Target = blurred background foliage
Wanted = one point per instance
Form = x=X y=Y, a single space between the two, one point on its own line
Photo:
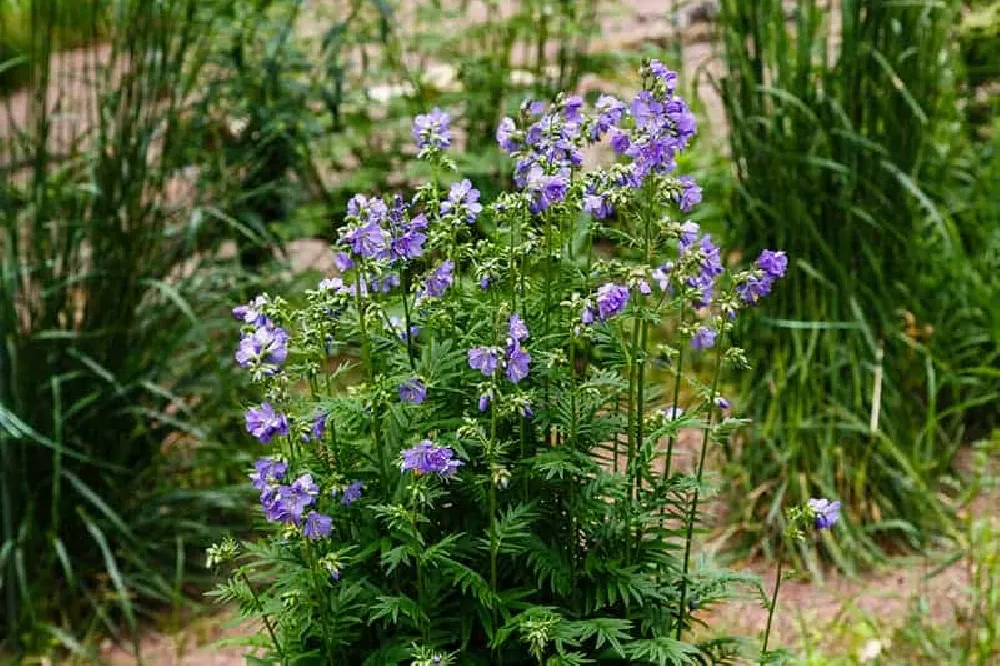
x=878 y=359
x=159 y=161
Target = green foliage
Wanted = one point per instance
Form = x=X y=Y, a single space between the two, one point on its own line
x=114 y=403
x=878 y=349
x=561 y=535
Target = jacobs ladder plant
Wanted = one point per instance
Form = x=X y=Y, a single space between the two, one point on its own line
x=469 y=460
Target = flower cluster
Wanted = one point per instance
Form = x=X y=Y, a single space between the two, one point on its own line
x=431 y=131
x=265 y=423
x=263 y=346
x=611 y=301
x=513 y=357
x=758 y=283
x=428 y=458
x=462 y=202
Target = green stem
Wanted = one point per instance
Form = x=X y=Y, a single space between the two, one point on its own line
x=574 y=431
x=630 y=469
x=259 y=607
x=406 y=320
x=424 y=629
x=494 y=542
x=689 y=537
x=774 y=601
x=673 y=413
x=366 y=355
x=640 y=356
x=672 y=438
x=548 y=306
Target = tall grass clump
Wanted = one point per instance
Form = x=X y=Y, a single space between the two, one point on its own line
x=836 y=117
x=72 y=27
x=465 y=457
x=110 y=392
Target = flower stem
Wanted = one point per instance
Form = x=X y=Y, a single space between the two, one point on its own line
x=640 y=355
x=774 y=600
x=692 y=514
x=494 y=542
x=267 y=620
x=366 y=356
x=631 y=468
x=406 y=320
x=424 y=629
x=673 y=414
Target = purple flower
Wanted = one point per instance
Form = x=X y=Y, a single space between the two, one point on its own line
x=572 y=106
x=587 y=316
x=431 y=130
x=611 y=300
x=526 y=411
x=438 y=281
x=408 y=245
x=774 y=264
x=620 y=141
x=317 y=526
x=305 y=485
x=708 y=261
x=506 y=136
x=610 y=112
x=690 y=195
x=704 y=338
x=398 y=328
x=413 y=391
x=343 y=262
x=267 y=471
x=386 y=284
x=516 y=328
x=689 y=234
x=825 y=512
x=721 y=403
x=483 y=359
x=484 y=402
x=661 y=275
x=331 y=284
x=368 y=240
x=664 y=75
x=352 y=493
x=264 y=423
x=252 y=312
x=672 y=412
x=546 y=190
x=285 y=504
x=317 y=430
x=517 y=363
x=319 y=426
x=463 y=198
x=484 y=282
x=428 y=458
x=266 y=345
x=367 y=209
x=418 y=223
x=597 y=205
